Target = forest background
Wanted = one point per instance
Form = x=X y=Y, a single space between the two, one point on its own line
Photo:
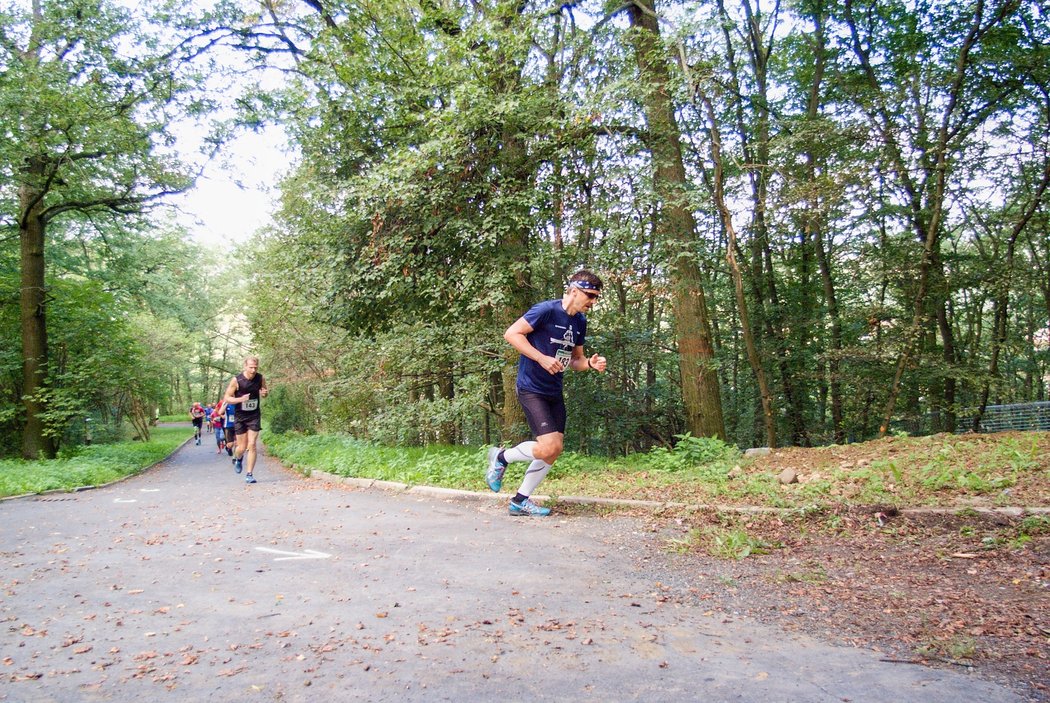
x=817 y=221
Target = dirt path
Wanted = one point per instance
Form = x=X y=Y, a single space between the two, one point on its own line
x=187 y=580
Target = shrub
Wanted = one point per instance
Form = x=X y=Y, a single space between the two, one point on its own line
x=287 y=410
x=690 y=454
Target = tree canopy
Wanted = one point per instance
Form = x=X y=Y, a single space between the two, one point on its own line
x=90 y=94
x=859 y=168
x=818 y=221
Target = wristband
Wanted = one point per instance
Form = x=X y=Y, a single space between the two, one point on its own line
x=589 y=365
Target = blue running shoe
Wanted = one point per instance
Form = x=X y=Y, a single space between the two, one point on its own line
x=238 y=465
x=494 y=475
x=248 y=478
x=528 y=508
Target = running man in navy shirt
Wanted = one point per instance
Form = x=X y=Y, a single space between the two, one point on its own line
x=550 y=338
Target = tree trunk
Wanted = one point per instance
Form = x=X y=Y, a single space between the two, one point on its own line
x=768 y=416
x=33 y=296
x=813 y=222
x=650 y=321
x=775 y=329
x=834 y=366
x=33 y=302
x=700 y=393
x=515 y=248
x=139 y=415
x=447 y=387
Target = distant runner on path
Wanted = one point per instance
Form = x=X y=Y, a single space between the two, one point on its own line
x=226 y=411
x=216 y=421
x=197 y=417
x=245 y=391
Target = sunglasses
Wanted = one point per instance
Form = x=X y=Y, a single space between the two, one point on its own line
x=589 y=294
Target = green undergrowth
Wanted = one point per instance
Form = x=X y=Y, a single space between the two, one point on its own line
x=92 y=465
x=450 y=467
x=902 y=471
x=693 y=460
x=941 y=470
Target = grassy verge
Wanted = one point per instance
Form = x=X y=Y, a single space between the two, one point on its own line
x=449 y=467
x=88 y=466
x=942 y=470
x=947 y=470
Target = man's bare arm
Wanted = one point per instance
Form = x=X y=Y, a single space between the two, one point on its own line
x=231 y=388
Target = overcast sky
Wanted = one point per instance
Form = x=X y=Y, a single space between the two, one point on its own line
x=237 y=193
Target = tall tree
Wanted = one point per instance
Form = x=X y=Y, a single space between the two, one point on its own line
x=700 y=392
x=88 y=97
x=925 y=111
x=718 y=178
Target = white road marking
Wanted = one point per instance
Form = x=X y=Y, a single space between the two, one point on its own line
x=125 y=500
x=288 y=556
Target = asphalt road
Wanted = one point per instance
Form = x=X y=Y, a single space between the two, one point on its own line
x=185 y=584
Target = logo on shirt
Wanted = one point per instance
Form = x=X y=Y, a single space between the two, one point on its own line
x=564 y=355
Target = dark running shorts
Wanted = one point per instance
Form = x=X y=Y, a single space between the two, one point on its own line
x=544 y=413
x=243 y=424
x=197 y=421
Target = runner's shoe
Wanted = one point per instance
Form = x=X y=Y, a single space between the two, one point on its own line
x=248 y=478
x=494 y=474
x=238 y=465
x=528 y=508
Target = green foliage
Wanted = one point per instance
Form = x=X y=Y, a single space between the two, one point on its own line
x=731 y=543
x=90 y=96
x=635 y=477
x=454 y=467
x=704 y=456
x=920 y=468
x=87 y=465
x=288 y=411
x=415 y=384
x=1034 y=525
x=704 y=450
x=99 y=365
x=991 y=472
x=88 y=119
x=457 y=162
x=954 y=647
x=816 y=575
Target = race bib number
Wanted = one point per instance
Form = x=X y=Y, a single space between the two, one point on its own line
x=564 y=356
x=250 y=404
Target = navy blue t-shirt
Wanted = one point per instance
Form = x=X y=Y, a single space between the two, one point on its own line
x=555 y=333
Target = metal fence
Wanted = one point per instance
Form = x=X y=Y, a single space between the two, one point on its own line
x=996 y=418
x=1019 y=416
